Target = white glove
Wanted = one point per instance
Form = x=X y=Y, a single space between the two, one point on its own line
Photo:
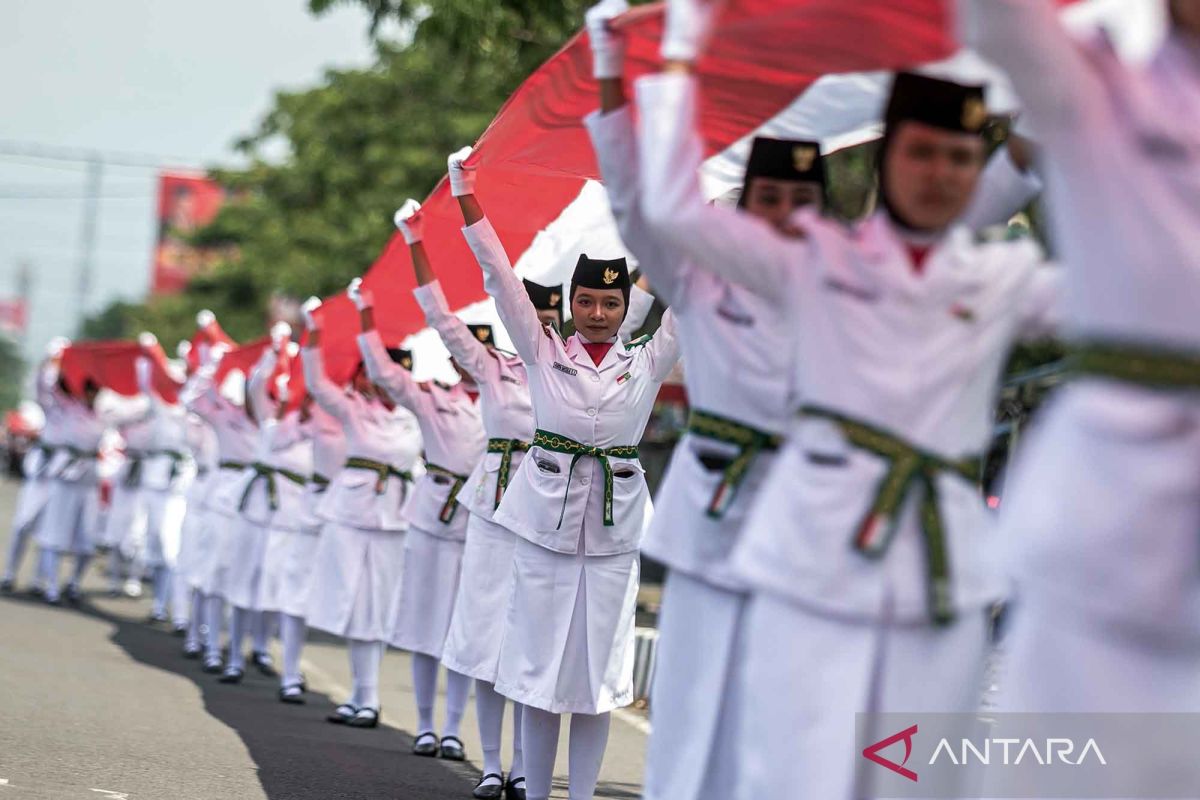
x=462 y=178
x=362 y=298
x=409 y=222
x=183 y=349
x=145 y=372
x=281 y=389
x=147 y=340
x=688 y=27
x=293 y=349
x=608 y=46
x=205 y=318
x=306 y=310
x=55 y=347
x=217 y=352
x=281 y=332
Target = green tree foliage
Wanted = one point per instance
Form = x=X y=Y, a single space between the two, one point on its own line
x=12 y=370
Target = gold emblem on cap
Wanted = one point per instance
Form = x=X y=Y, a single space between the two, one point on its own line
x=555 y=298
x=974 y=114
x=803 y=157
x=406 y=362
x=481 y=334
x=610 y=276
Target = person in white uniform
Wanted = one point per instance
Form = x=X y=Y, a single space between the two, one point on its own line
x=360 y=550
x=162 y=474
x=578 y=503
x=31 y=500
x=124 y=524
x=222 y=407
x=865 y=549
x=1100 y=516
x=203 y=447
x=740 y=349
x=452 y=430
x=271 y=495
x=69 y=526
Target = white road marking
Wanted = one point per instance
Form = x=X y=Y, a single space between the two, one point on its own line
x=3 y=781
x=635 y=721
x=113 y=795
x=322 y=677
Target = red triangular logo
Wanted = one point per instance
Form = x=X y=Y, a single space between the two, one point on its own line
x=872 y=752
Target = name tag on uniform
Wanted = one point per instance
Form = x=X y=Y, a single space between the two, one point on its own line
x=623 y=378
x=507 y=379
x=857 y=292
x=565 y=369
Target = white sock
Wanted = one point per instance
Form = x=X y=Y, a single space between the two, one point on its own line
x=260 y=627
x=458 y=689
x=589 y=738
x=50 y=559
x=517 y=769
x=239 y=620
x=81 y=565
x=181 y=599
x=214 y=619
x=162 y=588
x=364 y=666
x=195 y=618
x=291 y=631
x=489 y=708
x=425 y=675
x=16 y=550
x=116 y=569
x=539 y=733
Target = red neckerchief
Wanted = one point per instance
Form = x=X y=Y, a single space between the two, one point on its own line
x=597 y=350
x=918 y=254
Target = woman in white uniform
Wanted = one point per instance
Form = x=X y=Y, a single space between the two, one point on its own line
x=31 y=501
x=1100 y=516
x=124 y=533
x=272 y=495
x=69 y=526
x=741 y=346
x=237 y=441
x=866 y=547
x=578 y=503
x=452 y=431
x=360 y=550
x=203 y=446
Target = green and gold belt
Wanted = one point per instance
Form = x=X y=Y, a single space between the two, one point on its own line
x=557 y=443
x=1149 y=366
x=506 y=448
x=750 y=442
x=383 y=471
x=906 y=465
x=268 y=473
x=450 y=507
x=320 y=481
x=136 y=459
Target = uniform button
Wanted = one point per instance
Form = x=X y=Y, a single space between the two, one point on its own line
x=595 y=379
x=585 y=481
x=591 y=412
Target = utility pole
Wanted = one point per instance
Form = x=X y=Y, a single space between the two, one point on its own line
x=87 y=239
x=25 y=296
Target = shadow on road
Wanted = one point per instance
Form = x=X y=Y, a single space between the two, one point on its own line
x=299 y=756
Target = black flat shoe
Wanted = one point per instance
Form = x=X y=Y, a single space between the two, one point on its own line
x=232 y=675
x=293 y=695
x=179 y=630
x=365 y=717
x=213 y=665
x=492 y=790
x=513 y=791
x=6 y=586
x=73 y=596
x=426 y=744
x=37 y=591
x=265 y=664
x=452 y=749
x=342 y=713
x=192 y=651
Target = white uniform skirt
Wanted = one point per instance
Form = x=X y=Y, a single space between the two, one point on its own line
x=425 y=597
x=31 y=501
x=287 y=571
x=568 y=636
x=217 y=532
x=354 y=579
x=70 y=519
x=244 y=553
x=484 y=590
x=165 y=511
x=696 y=696
x=125 y=522
x=807 y=674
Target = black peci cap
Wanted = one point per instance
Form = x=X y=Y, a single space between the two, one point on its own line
x=402 y=357
x=942 y=104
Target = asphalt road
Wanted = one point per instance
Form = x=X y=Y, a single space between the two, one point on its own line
x=94 y=703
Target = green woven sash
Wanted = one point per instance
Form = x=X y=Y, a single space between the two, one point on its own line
x=450 y=507
x=1143 y=366
x=750 y=442
x=907 y=465
x=382 y=471
x=506 y=448
x=558 y=443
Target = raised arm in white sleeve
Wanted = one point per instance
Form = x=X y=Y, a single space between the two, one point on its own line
x=615 y=141
x=1047 y=67
x=324 y=392
x=663 y=347
x=258 y=389
x=736 y=246
x=468 y=351
x=640 y=303
x=395 y=379
x=1004 y=189
x=501 y=282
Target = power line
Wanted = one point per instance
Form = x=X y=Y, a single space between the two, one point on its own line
x=80 y=155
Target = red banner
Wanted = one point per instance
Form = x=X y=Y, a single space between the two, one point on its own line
x=13 y=316
x=535 y=156
x=111 y=365
x=185 y=202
